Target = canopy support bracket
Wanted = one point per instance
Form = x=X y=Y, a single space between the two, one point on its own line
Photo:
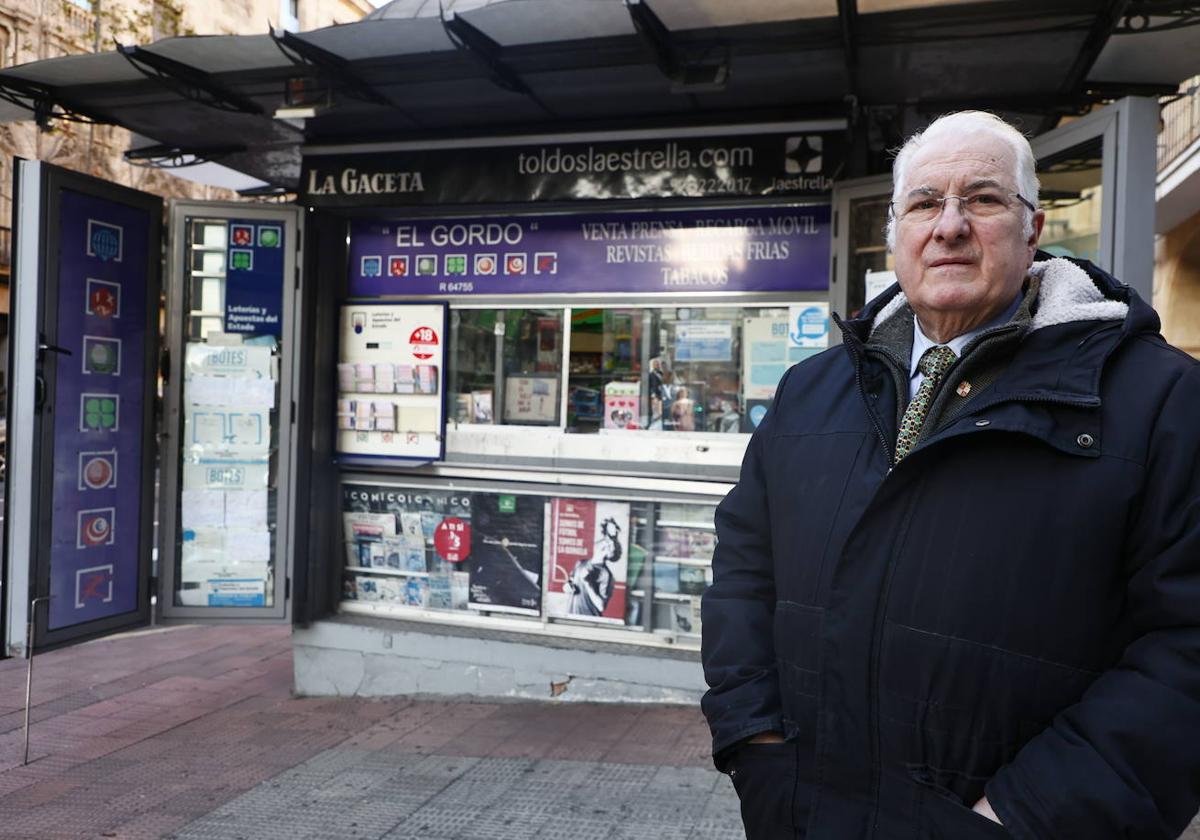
x=187 y=81
x=478 y=44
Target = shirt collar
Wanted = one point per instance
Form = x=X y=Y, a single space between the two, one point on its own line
x=922 y=342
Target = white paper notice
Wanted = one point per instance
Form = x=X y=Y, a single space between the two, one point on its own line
x=247 y=509
x=203 y=508
x=248 y=546
x=230 y=392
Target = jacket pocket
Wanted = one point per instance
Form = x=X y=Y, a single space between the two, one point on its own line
x=942 y=816
x=966 y=707
x=774 y=801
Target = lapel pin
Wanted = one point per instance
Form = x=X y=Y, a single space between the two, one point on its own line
x=963 y=389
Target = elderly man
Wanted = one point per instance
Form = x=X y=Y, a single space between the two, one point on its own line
x=957 y=589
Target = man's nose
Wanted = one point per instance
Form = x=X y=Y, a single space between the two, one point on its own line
x=952 y=222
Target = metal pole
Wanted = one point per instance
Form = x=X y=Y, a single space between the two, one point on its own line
x=29 y=674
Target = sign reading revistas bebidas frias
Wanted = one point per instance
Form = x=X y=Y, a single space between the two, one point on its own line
x=798 y=164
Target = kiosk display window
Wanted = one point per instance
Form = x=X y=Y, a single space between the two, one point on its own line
x=505 y=366
x=684 y=368
x=634 y=564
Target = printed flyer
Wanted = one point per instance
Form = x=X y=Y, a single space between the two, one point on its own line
x=588 y=560
x=507 y=552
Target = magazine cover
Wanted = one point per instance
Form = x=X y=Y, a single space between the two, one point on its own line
x=588 y=560
x=507 y=552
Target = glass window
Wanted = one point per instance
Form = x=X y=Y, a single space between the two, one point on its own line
x=683 y=369
x=1071 y=196
x=642 y=565
x=504 y=365
x=233 y=304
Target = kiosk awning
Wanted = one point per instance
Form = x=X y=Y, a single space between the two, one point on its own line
x=410 y=72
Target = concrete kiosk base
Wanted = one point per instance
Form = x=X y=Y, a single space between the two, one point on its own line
x=371 y=657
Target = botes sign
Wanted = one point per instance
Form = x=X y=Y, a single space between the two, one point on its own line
x=799 y=164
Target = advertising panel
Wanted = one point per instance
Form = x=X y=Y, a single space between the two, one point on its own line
x=743 y=250
x=254 y=277
x=795 y=164
x=391 y=381
x=588 y=560
x=99 y=395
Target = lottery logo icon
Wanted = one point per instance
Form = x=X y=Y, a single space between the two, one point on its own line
x=93 y=584
x=98 y=470
x=397 y=266
x=269 y=236
x=545 y=262
x=514 y=263
x=241 y=235
x=426 y=265
x=241 y=259
x=102 y=355
x=456 y=264
x=105 y=241
x=96 y=527
x=99 y=412
x=372 y=266
x=485 y=264
x=103 y=299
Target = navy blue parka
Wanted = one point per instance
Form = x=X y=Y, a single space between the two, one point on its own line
x=1014 y=609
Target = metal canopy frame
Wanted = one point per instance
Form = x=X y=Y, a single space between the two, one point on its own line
x=187 y=81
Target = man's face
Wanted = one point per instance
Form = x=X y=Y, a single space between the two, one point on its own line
x=957 y=267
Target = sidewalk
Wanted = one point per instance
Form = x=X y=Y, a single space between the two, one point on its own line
x=191 y=732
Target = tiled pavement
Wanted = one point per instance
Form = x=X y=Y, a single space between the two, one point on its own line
x=191 y=732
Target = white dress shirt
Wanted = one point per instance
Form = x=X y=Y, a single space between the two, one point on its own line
x=922 y=342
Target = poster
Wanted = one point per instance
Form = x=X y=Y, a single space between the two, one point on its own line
x=507 y=532
x=703 y=341
x=808 y=325
x=254 y=277
x=767 y=353
x=588 y=560
x=531 y=399
x=715 y=250
x=100 y=391
x=390 y=381
x=622 y=405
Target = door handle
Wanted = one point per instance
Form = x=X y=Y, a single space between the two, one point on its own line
x=54 y=348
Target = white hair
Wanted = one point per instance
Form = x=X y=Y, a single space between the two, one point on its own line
x=968 y=122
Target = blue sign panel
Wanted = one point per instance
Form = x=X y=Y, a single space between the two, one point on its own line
x=775 y=249
x=99 y=404
x=254 y=277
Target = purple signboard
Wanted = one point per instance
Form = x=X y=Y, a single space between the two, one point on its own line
x=254 y=277
x=780 y=249
x=95 y=539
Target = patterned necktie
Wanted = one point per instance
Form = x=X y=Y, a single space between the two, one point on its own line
x=934 y=363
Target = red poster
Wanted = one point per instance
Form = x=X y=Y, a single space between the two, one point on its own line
x=589 y=546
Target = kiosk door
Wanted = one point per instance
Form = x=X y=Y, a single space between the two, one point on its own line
x=89 y=358
x=227 y=498
x=79 y=502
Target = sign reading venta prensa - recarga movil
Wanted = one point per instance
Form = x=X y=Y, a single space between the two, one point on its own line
x=795 y=164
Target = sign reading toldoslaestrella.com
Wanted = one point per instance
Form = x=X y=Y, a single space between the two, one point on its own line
x=775 y=249
x=800 y=163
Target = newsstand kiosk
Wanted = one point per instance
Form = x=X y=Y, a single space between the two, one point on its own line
x=462 y=414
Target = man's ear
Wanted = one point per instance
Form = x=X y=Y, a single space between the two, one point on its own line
x=1039 y=221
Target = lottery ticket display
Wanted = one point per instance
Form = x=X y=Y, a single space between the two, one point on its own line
x=390 y=381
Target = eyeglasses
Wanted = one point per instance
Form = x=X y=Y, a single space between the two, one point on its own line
x=926 y=206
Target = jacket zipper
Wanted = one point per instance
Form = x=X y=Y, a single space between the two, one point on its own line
x=862 y=392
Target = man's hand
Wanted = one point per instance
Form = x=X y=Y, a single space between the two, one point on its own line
x=766 y=738
x=985 y=808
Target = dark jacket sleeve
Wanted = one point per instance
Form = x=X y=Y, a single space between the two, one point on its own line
x=1125 y=760
x=737 y=613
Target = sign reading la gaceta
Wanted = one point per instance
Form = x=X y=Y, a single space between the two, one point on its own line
x=780 y=164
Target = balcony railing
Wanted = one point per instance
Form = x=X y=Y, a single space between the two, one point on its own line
x=1181 y=124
